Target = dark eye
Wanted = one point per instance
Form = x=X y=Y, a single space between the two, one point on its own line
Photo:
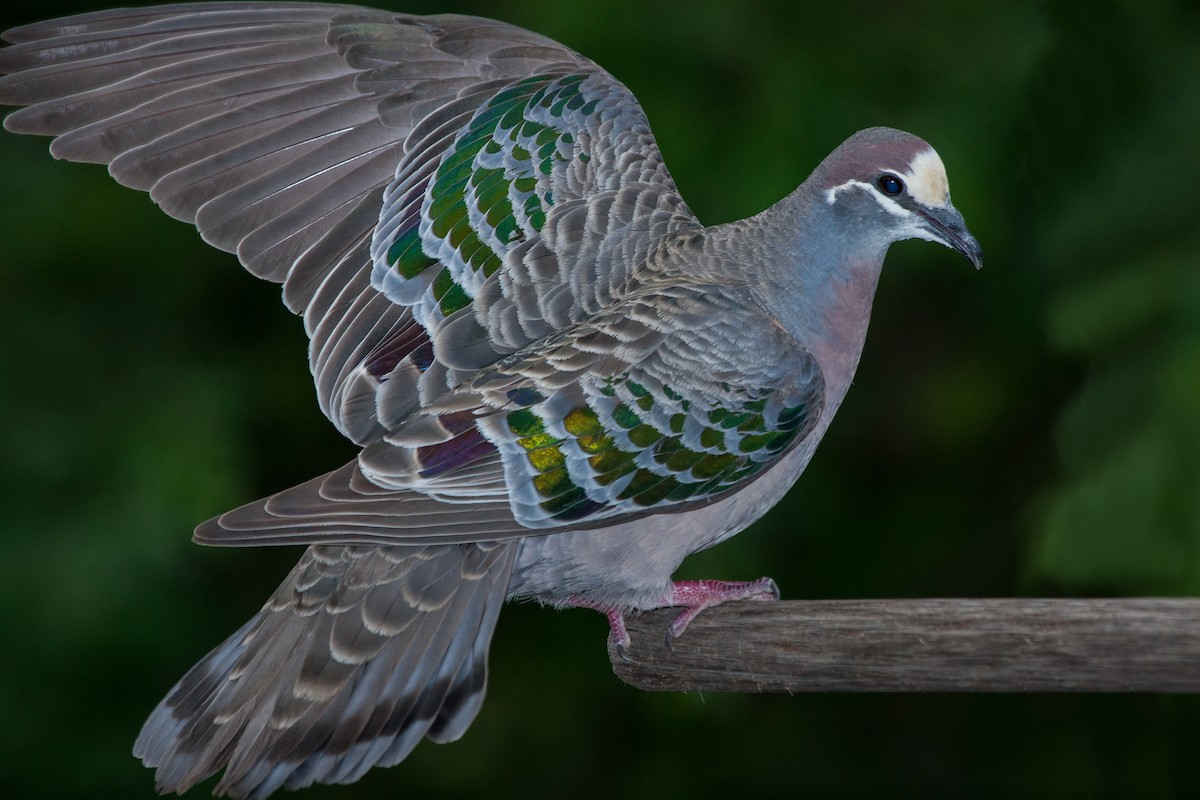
x=890 y=185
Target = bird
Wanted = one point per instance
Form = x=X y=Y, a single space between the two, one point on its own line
x=560 y=382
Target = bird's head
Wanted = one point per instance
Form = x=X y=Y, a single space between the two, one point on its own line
x=894 y=185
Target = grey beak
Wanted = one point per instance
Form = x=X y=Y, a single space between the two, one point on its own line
x=950 y=227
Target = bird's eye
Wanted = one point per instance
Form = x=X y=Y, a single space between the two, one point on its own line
x=890 y=185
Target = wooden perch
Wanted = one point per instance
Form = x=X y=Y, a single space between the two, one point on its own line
x=1006 y=645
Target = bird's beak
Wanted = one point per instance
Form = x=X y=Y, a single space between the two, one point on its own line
x=948 y=227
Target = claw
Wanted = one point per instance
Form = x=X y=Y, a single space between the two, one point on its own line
x=618 y=636
x=622 y=651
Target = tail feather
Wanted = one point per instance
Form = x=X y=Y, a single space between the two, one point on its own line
x=360 y=653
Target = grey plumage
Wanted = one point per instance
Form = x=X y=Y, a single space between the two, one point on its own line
x=562 y=383
x=360 y=653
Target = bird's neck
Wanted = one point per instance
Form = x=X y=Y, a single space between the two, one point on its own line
x=816 y=277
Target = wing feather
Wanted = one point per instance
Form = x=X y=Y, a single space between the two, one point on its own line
x=269 y=125
x=468 y=216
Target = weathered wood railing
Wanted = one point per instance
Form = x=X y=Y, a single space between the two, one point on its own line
x=941 y=645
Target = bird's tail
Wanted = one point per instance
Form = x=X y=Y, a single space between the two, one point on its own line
x=360 y=652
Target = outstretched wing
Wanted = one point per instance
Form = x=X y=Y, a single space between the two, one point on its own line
x=433 y=192
x=470 y=218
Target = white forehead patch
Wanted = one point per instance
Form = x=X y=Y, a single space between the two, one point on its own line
x=926 y=179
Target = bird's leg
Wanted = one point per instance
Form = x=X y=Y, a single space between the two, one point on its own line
x=618 y=636
x=695 y=596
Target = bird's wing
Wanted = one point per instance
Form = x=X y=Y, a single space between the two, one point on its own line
x=669 y=400
x=433 y=192
x=462 y=211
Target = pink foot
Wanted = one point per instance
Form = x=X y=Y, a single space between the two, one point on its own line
x=693 y=596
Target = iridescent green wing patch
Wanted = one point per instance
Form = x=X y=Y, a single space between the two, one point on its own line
x=440 y=238
x=631 y=444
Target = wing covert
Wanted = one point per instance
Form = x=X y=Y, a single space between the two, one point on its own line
x=654 y=405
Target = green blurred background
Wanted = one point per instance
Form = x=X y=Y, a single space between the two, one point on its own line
x=1031 y=429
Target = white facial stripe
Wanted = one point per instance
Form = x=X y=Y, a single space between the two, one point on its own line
x=889 y=205
x=832 y=193
x=911 y=226
x=926 y=179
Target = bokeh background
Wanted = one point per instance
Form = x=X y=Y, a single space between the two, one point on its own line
x=1031 y=429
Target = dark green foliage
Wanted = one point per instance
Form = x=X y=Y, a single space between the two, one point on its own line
x=1125 y=513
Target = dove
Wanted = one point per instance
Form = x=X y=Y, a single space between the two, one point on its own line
x=561 y=383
